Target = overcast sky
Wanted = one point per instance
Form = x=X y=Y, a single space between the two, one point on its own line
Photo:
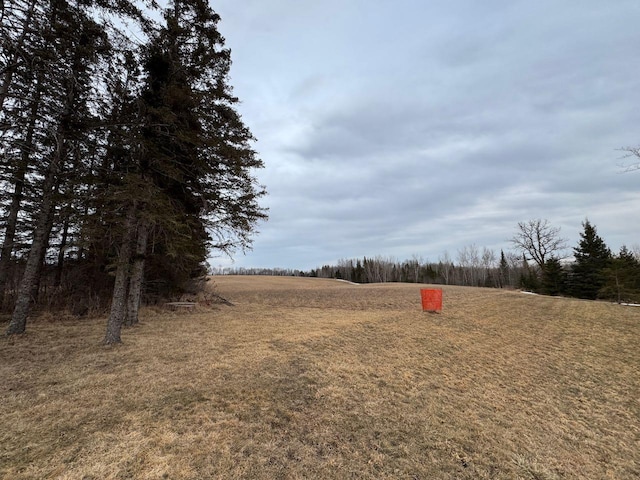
x=415 y=127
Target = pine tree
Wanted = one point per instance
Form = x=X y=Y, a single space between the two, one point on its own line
x=503 y=276
x=23 y=59
x=622 y=278
x=195 y=163
x=109 y=149
x=529 y=279
x=592 y=256
x=359 y=271
x=553 y=280
x=16 y=22
x=73 y=40
x=48 y=100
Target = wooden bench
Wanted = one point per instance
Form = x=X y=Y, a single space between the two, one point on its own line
x=180 y=305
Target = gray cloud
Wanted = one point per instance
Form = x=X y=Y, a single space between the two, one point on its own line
x=399 y=128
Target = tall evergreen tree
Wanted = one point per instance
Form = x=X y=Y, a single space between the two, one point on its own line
x=74 y=40
x=54 y=78
x=503 y=275
x=108 y=148
x=25 y=56
x=195 y=159
x=592 y=256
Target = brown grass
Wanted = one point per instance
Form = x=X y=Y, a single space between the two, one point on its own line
x=310 y=378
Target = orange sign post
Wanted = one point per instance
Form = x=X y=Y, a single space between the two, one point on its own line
x=431 y=299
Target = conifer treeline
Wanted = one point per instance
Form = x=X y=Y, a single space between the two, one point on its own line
x=122 y=156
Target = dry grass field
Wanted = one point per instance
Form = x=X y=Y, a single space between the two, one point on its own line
x=320 y=379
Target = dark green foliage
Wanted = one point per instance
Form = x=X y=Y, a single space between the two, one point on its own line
x=187 y=159
x=358 y=273
x=64 y=46
x=553 y=281
x=592 y=257
x=621 y=278
x=528 y=279
x=187 y=171
x=503 y=273
x=97 y=129
x=196 y=150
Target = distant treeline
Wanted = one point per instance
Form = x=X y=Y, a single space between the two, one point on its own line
x=593 y=272
x=474 y=268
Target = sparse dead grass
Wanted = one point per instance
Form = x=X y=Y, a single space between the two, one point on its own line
x=311 y=378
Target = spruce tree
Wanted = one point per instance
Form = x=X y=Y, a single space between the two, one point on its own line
x=73 y=40
x=48 y=96
x=194 y=166
x=24 y=65
x=592 y=256
x=622 y=278
x=553 y=280
x=529 y=279
x=503 y=276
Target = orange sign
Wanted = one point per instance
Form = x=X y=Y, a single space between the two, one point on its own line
x=431 y=299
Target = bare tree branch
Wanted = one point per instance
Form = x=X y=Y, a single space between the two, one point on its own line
x=631 y=152
x=539 y=240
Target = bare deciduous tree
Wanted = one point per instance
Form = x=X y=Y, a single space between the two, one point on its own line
x=634 y=153
x=487 y=262
x=539 y=240
x=446 y=267
x=469 y=260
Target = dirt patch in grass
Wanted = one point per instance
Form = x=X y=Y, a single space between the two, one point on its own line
x=312 y=378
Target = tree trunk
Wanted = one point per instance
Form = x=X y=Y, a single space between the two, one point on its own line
x=29 y=280
x=16 y=198
x=137 y=275
x=119 y=299
x=10 y=231
x=63 y=246
x=35 y=293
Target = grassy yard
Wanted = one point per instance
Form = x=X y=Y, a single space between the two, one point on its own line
x=320 y=379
